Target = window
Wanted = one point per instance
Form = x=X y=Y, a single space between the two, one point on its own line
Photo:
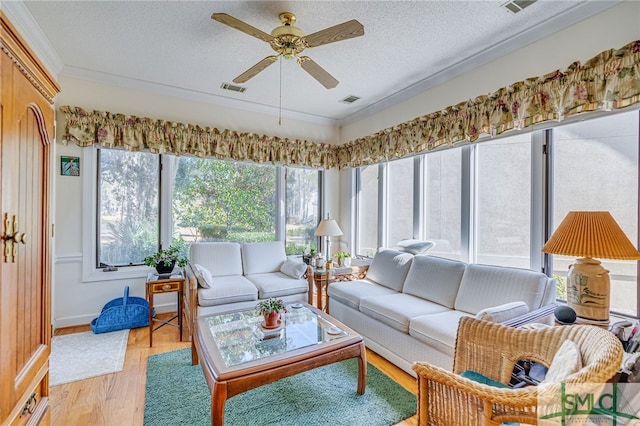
x=443 y=202
x=399 y=201
x=368 y=211
x=143 y=201
x=302 y=201
x=128 y=207
x=596 y=168
x=503 y=201
x=216 y=200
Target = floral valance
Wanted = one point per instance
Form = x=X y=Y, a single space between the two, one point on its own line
x=611 y=80
x=110 y=130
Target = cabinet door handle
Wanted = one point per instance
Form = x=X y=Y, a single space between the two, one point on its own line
x=12 y=238
x=166 y=287
x=30 y=406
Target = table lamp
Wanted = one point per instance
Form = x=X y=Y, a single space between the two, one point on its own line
x=589 y=234
x=328 y=228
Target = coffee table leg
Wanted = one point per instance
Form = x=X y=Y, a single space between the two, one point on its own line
x=362 y=369
x=194 y=352
x=218 y=399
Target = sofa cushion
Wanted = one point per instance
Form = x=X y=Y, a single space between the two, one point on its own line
x=389 y=268
x=277 y=284
x=351 y=293
x=434 y=278
x=220 y=258
x=395 y=310
x=227 y=289
x=484 y=286
x=437 y=330
x=261 y=258
x=293 y=268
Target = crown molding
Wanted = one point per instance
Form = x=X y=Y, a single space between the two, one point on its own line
x=30 y=31
x=191 y=95
x=576 y=14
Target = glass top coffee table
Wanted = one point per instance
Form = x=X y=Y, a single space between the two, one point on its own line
x=237 y=354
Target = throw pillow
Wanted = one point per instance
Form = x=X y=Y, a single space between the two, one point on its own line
x=415 y=246
x=206 y=280
x=565 y=362
x=502 y=313
x=293 y=269
x=481 y=378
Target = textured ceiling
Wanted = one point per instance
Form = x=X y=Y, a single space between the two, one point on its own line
x=406 y=44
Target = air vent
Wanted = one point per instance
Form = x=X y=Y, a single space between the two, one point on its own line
x=233 y=87
x=350 y=99
x=516 y=6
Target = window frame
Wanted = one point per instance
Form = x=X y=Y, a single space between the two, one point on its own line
x=168 y=163
x=541 y=199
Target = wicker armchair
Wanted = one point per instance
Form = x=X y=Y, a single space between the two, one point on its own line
x=447 y=399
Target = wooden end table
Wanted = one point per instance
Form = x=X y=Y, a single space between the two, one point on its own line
x=157 y=284
x=323 y=277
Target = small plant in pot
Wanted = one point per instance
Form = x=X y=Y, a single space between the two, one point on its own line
x=165 y=260
x=271 y=309
x=344 y=258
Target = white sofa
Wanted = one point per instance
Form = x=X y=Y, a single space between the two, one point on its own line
x=408 y=307
x=240 y=276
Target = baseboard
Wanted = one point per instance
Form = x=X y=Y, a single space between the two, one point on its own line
x=86 y=319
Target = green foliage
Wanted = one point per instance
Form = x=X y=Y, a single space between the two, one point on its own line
x=167 y=256
x=293 y=248
x=342 y=254
x=561 y=288
x=270 y=305
x=230 y=194
x=251 y=237
x=213 y=232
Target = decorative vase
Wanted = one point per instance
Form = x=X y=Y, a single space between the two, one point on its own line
x=271 y=320
x=346 y=262
x=161 y=268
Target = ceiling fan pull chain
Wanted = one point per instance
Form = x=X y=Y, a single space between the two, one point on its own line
x=280 y=109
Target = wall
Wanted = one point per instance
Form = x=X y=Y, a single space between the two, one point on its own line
x=612 y=28
x=77 y=302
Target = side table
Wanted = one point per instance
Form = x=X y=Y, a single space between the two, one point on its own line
x=157 y=284
x=323 y=277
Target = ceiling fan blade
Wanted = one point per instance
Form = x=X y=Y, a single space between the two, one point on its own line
x=242 y=26
x=317 y=72
x=344 y=31
x=254 y=70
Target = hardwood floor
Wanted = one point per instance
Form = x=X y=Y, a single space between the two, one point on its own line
x=118 y=399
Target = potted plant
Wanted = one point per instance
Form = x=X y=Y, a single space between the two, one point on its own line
x=344 y=258
x=165 y=260
x=270 y=309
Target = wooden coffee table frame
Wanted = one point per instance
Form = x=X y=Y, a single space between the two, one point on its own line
x=225 y=382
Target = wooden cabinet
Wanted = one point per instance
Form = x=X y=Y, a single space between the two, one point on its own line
x=26 y=133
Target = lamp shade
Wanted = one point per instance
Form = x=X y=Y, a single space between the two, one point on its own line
x=328 y=228
x=591 y=234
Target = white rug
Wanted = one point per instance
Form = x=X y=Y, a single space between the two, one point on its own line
x=79 y=356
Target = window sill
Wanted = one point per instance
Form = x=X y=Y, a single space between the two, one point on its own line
x=123 y=273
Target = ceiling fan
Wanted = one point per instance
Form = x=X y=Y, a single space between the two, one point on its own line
x=289 y=41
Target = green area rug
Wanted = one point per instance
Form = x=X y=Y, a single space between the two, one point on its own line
x=177 y=394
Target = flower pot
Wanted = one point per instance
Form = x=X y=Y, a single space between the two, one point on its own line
x=271 y=320
x=165 y=269
x=346 y=262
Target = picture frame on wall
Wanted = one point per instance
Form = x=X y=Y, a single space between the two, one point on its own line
x=69 y=166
